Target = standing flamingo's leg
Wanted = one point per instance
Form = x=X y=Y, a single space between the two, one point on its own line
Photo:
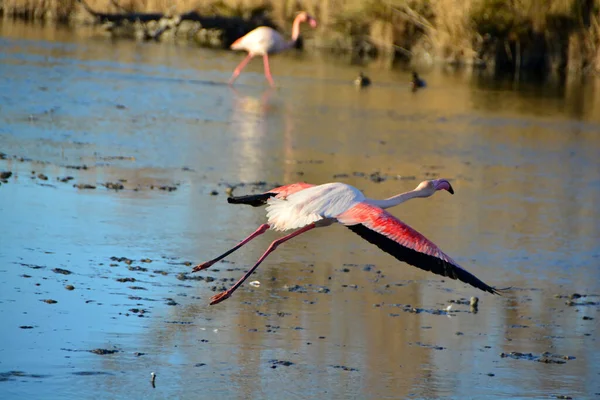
x=239 y=68
x=261 y=229
x=226 y=294
x=268 y=70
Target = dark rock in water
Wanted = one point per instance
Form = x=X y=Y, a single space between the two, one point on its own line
x=167 y=188
x=103 y=352
x=296 y=288
x=182 y=276
x=122 y=259
x=114 y=186
x=137 y=288
x=377 y=177
x=84 y=186
x=5 y=175
x=65 y=179
x=50 y=301
x=214 y=193
x=586 y=318
x=146 y=260
x=137 y=268
x=575 y=296
x=171 y=302
x=158 y=271
x=70 y=287
x=26 y=327
x=138 y=354
x=125 y=279
x=42 y=177
x=546 y=357
x=199 y=365
x=343 y=367
x=62 y=271
x=281 y=362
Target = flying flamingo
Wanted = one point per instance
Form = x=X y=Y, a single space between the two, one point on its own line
x=306 y=206
x=263 y=41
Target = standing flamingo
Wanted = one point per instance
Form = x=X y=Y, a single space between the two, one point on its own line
x=263 y=41
x=306 y=206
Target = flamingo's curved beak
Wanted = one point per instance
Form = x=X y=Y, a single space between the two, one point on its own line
x=443 y=184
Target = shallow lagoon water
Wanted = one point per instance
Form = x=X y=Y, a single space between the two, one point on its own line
x=522 y=159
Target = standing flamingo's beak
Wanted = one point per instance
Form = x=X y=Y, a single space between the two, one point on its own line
x=443 y=184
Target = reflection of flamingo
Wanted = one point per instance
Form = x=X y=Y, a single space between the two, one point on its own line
x=306 y=206
x=263 y=41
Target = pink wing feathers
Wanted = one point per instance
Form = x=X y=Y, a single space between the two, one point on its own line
x=257 y=200
x=406 y=244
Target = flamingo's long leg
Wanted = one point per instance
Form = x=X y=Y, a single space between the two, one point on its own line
x=239 y=68
x=226 y=294
x=261 y=229
x=268 y=70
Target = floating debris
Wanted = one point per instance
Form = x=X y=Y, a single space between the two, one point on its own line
x=153 y=379
x=69 y=287
x=49 y=301
x=254 y=284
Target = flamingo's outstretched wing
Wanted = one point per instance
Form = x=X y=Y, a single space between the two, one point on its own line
x=257 y=200
x=406 y=244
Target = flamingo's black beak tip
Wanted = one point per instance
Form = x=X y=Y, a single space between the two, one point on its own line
x=450 y=189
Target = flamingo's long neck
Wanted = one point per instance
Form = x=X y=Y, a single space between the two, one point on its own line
x=296 y=29
x=400 y=198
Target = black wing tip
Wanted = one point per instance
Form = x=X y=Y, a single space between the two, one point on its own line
x=254 y=200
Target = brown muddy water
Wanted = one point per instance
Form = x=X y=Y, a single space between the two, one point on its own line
x=94 y=295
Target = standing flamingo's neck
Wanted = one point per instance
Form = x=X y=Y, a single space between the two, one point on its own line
x=296 y=28
x=401 y=198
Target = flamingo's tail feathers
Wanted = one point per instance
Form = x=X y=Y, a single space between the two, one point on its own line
x=255 y=200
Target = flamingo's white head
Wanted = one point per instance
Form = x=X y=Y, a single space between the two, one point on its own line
x=306 y=17
x=430 y=187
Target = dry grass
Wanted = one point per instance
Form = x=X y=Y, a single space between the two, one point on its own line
x=447 y=29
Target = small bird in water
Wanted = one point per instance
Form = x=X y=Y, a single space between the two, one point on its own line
x=417 y=82
x=362 y=80
x=303 y=206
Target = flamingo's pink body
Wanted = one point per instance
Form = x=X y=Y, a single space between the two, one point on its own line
x=304 y=207
x=263 y=41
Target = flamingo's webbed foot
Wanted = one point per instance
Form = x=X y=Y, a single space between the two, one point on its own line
x=216 y=299
x=202 y=266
